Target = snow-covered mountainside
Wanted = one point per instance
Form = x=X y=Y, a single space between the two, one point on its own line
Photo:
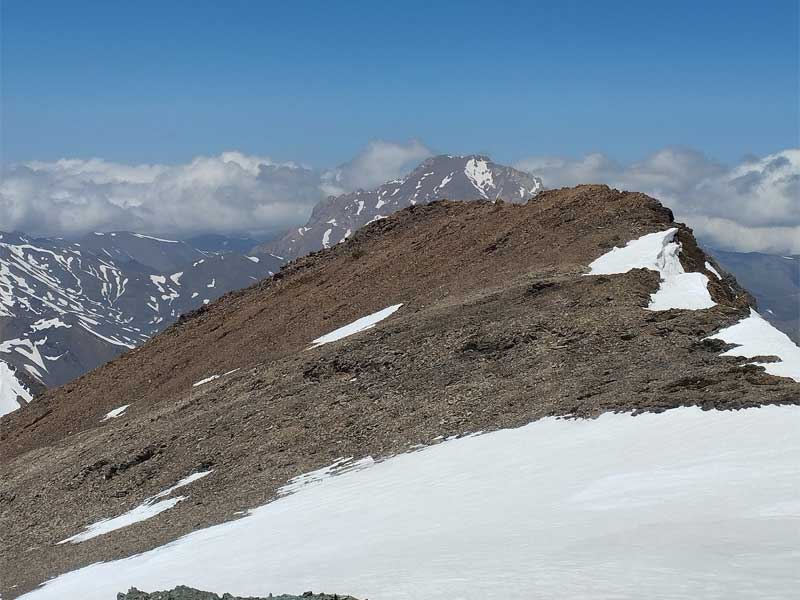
x=320 y=428
x=470 y=177
x=66 y=307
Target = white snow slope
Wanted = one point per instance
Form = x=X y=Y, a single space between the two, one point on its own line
x=658 y=252
x=683 y=504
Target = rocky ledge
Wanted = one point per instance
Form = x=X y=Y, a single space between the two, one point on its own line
x=186 y=593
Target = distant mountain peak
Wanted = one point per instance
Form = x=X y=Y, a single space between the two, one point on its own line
x=445 y=176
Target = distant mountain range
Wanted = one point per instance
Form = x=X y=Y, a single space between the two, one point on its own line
x=69 y=306
x=470 y=177
x=774 y=281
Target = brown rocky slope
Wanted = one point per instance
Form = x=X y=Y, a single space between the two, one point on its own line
x=499 y=327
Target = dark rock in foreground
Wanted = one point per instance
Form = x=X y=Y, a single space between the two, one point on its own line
x=186 y=593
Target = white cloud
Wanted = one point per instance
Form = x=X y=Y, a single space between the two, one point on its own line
x=229 y=193
x=378 y=163
x=752 y=206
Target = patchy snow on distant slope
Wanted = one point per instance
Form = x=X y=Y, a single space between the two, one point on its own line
x=10 y=389
x=754 y=336
x=71 y=306
x=356 y=326
x=683 y=504
x=150 y=237
x=658 y=252
x=478 y=172
x=43 y=324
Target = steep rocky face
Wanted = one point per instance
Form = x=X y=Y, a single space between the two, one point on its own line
x=67 y=307
x=510 y=312
x=440 y=177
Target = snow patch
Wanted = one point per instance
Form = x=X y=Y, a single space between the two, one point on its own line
x=658 y=252
x=54 y=323
x=361 y=324
x=117 y=412
x=150 y=237
x=445 y=180
x=755 y=336
x=710 y=268
x=205 y=381
x=212 y=378
x=147 y=510
x=478 y=172
x=11 y=388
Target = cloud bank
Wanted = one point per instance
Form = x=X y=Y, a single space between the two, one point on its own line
x=753 y=206
x=229 y=193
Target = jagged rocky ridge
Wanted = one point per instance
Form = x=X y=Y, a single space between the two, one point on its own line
x=186 y=593
x=440 y=177
x=67 y=307
x=500 y=325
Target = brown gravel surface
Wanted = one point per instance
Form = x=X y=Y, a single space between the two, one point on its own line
x=500 y=326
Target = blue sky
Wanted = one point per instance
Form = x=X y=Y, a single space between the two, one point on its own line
x=314 y=81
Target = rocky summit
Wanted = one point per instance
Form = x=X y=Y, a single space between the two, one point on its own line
x=440 y=320
x=440 y=177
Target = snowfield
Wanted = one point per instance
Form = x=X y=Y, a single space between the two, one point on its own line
x=682 y=504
